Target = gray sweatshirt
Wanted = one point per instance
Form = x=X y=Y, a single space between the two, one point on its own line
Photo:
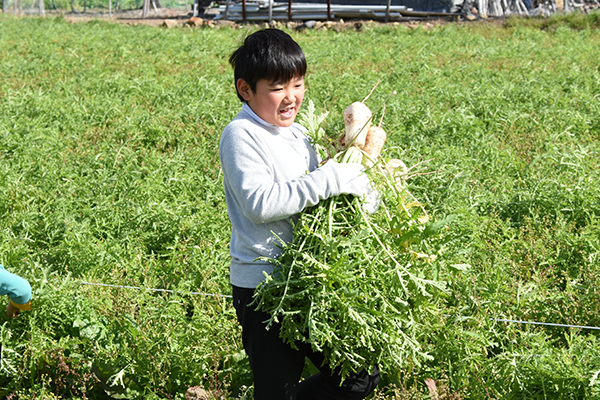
x=270 y=175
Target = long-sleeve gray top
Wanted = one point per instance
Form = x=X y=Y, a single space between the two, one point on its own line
x=270 y=175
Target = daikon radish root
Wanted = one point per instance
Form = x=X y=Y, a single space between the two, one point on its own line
x=374 y=142
x=397 y=170
x=394 y=164
x=357 y=118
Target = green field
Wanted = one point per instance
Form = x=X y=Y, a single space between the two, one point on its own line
x=109 y=173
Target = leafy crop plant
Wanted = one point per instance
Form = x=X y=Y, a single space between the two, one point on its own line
x=355 y=284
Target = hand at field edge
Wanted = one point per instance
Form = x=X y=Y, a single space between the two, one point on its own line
x=12 y=311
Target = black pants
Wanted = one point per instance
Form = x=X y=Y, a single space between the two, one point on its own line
x=277 y=367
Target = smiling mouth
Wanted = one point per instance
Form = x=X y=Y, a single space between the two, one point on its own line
x=287 y=112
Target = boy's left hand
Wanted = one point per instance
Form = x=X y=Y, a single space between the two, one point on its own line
x=12 y=311
x=372 y=201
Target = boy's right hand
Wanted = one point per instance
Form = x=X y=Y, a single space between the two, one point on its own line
x=350 y=177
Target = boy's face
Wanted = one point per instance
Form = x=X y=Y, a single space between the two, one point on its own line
x=277 y=103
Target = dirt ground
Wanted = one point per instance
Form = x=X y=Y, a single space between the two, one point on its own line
x=133 y=17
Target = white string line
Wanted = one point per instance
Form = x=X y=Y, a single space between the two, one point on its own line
x=152 y=289
x=546 y=323
x=225 y=295
x=517 y=321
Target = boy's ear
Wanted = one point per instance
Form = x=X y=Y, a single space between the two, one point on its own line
x=244 y=89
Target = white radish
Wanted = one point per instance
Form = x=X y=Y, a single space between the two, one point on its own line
x=395 y=163
x=374 y=142
x=357 y=118
x=397 y=169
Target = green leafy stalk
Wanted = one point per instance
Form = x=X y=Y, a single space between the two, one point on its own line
x=353 y=284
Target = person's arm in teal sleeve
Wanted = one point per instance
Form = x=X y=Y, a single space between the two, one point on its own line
x=17 y=289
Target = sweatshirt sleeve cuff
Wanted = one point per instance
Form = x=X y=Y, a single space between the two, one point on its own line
x=22 y=307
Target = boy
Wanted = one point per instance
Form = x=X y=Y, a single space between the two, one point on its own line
x=18 y=290
x=270 y=175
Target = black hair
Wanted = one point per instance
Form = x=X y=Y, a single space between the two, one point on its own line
x=269 y=54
